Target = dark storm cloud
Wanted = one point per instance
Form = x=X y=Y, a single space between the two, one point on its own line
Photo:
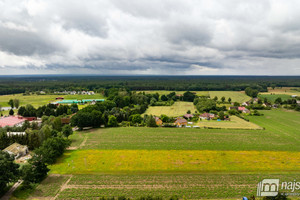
x=150 y=37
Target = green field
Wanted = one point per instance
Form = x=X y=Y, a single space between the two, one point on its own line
x=40 y=100
x=187 y=186
x=273 y=97
x=239 y=97
x=165 y=92
x=177 y=109
x=190 y=163
x=234 y=123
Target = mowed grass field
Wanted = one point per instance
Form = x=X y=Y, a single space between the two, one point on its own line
x=165 y=92
x=189 y=163
x=235 y=96
x=40 y=100
x=283 y=90
x=177 y=109
x=273 y=97
x=234 y=123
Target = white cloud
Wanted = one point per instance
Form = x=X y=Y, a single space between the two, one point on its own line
x=150 y=37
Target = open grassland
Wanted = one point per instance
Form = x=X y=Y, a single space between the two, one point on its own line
x=282 y=123
x=177 y=109
x=40 y=100
x=165 y=92
x=273 y=97
x=234 y=95
x=189 y=163
x=234 y=123
x=281 y=134
x=283 y=90
x=186 y=186
x=114 y=161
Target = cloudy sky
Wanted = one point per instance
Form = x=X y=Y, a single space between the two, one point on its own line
x=256 y=37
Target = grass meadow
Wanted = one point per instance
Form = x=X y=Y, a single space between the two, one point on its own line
x=177 y=109
x=234 y=95
x=234 y=123
x=40 y=100
x=273 y=97
x=97 y=161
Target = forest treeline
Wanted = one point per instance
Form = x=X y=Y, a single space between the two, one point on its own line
x=22 y=84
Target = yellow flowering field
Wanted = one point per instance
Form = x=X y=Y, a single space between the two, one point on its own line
x=118 y=161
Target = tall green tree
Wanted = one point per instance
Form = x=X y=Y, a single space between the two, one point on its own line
x=35 y=171
x=16 y=103
x=9 y=170
x=11 y=103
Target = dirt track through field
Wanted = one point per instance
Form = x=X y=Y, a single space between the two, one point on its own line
x=64 y=186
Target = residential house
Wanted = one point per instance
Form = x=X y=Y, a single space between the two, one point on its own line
x=158 y=121
x=266 y=104
x=188 y=116
x=241 y=108
x=246 y=103
x=246 y=111
x=180 y=122
x=233 y=108
x=207 y=116
x=298 y=102
x=17 y=150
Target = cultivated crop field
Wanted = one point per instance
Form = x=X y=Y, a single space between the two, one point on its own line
x=190 y=163
x=283 y=90
x=40 y=100
x=235 y=96
x=234 y=123
x=191 y=186
x=177 y=109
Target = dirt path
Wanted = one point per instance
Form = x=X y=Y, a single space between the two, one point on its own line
x=64 y=186
x=83 y=142
x=11 y=190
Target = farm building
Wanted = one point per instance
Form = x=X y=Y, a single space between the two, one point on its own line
x=11 y=121
x=79 y=101
x=17 y=150
x=15 y=133
x=180 y=122
x=294 y=96
x=188 y=116
x=59 y=98
x=207 y=116
x=158 y=121
x=246 y=111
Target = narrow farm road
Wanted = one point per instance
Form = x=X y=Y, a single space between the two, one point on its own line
x=11 y=190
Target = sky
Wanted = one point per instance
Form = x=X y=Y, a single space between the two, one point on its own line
x=158 y=37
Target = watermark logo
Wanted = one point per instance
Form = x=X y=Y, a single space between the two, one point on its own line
x=271 y=187
x=268 y=187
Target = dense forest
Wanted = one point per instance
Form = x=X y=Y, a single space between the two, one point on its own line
x=22 y=84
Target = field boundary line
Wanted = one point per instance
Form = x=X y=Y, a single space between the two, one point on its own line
x=83 y=142
x=64 y=186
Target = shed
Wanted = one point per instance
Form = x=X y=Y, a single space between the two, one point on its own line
x=17 y=150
